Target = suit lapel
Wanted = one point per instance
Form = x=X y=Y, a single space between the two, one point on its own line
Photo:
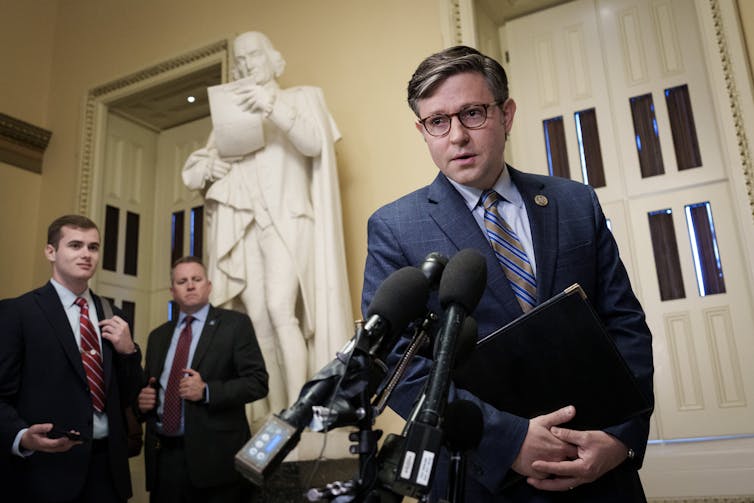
x=50 y=305
x=107 y=346
x=449 y=211
x=543 y=220
x=205 y=339
x=160 y=347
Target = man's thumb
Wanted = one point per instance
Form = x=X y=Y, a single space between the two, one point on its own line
x=560 y=416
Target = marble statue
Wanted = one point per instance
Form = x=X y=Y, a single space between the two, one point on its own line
x=274 y=226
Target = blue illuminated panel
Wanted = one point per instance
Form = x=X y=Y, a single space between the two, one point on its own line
x=704 y=249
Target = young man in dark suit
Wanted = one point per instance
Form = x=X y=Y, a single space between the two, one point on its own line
x=460 y=98
x=202 y=369
x=65 y=370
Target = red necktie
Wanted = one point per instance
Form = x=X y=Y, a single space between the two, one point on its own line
x=171 y=411
x=91 y=356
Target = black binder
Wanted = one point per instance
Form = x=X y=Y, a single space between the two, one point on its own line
x=557 y=354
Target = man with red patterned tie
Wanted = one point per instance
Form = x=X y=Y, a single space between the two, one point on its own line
x=201 y=369
x=65 y=374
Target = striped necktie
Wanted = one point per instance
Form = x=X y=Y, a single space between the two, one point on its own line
x=172 y=409
x=91 y=356
x=509 y=252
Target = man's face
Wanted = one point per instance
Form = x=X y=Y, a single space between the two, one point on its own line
x=75 y=258
x=472 y=157
x=251 y=60
x=190 y=287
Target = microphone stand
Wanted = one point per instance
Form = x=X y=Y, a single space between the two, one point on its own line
x=363 y=487
x=464 y=426
x=457 y=477
x=368 y=487
x=419 y=338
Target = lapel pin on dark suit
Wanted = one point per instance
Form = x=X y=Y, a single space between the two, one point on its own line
x=541 y=200
x=212 y=323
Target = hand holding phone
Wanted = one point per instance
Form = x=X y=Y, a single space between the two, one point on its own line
x=72 y=435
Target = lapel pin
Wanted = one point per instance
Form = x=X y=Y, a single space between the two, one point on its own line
x=212 y=323
x=540 y=200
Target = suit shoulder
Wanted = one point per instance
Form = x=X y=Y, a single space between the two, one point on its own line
x=400 y=205
x=219 y=312
x=165 y=326
x=25 y=298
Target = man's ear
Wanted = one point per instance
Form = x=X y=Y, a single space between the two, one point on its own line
x=50 y=252
x=509 y=111
x=421 y=130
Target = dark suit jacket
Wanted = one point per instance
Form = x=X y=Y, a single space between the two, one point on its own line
x=230 y=362
x=42 y=380
x=571 y=244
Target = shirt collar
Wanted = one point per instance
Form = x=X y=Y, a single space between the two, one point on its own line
x=503 y=186
x=200 y=315
x=67 y=297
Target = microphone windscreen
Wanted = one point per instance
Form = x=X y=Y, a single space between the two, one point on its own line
x=401 y=298
x=463 y=425
x=464 y=280
x=433 y=266
x=466 y=340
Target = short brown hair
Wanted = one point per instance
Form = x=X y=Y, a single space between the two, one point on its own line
x=75 y=221
x=435 y=69
x=188 y=259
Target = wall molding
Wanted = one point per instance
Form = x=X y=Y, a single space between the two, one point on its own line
x=734 y=101
x=95 y=109
x=22 y=144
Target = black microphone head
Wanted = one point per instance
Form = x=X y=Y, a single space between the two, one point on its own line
x=433 y=266
x=466 y=340
x=463 y=426
x=464 y=280
x=401 y=298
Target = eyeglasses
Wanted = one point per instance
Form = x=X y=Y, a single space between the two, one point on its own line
x=471 y=117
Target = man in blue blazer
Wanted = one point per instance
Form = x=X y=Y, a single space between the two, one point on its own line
x=44 y=384
x=222 y=370
x=461 y=99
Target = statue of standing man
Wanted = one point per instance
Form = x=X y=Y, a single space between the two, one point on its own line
x=274 y=226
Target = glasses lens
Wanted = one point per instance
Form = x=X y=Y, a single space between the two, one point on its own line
x=437 y=125
x=473 y=116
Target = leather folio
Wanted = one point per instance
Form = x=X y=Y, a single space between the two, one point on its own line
x=557 y=354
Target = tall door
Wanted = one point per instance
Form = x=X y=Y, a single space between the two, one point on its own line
x=179 y=212
x=150 y=218
x=615 y=93
x=128 y=195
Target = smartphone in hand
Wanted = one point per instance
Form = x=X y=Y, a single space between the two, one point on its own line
x=72 y=435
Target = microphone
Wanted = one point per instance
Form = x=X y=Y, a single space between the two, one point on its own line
x=400 y=298
x=392 y=449
x=463 y=427
x=432 y=267
x=461 y=286
x=466 y=340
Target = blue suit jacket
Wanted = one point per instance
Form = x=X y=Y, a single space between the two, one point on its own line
x=572 y=244
x=42 y=380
